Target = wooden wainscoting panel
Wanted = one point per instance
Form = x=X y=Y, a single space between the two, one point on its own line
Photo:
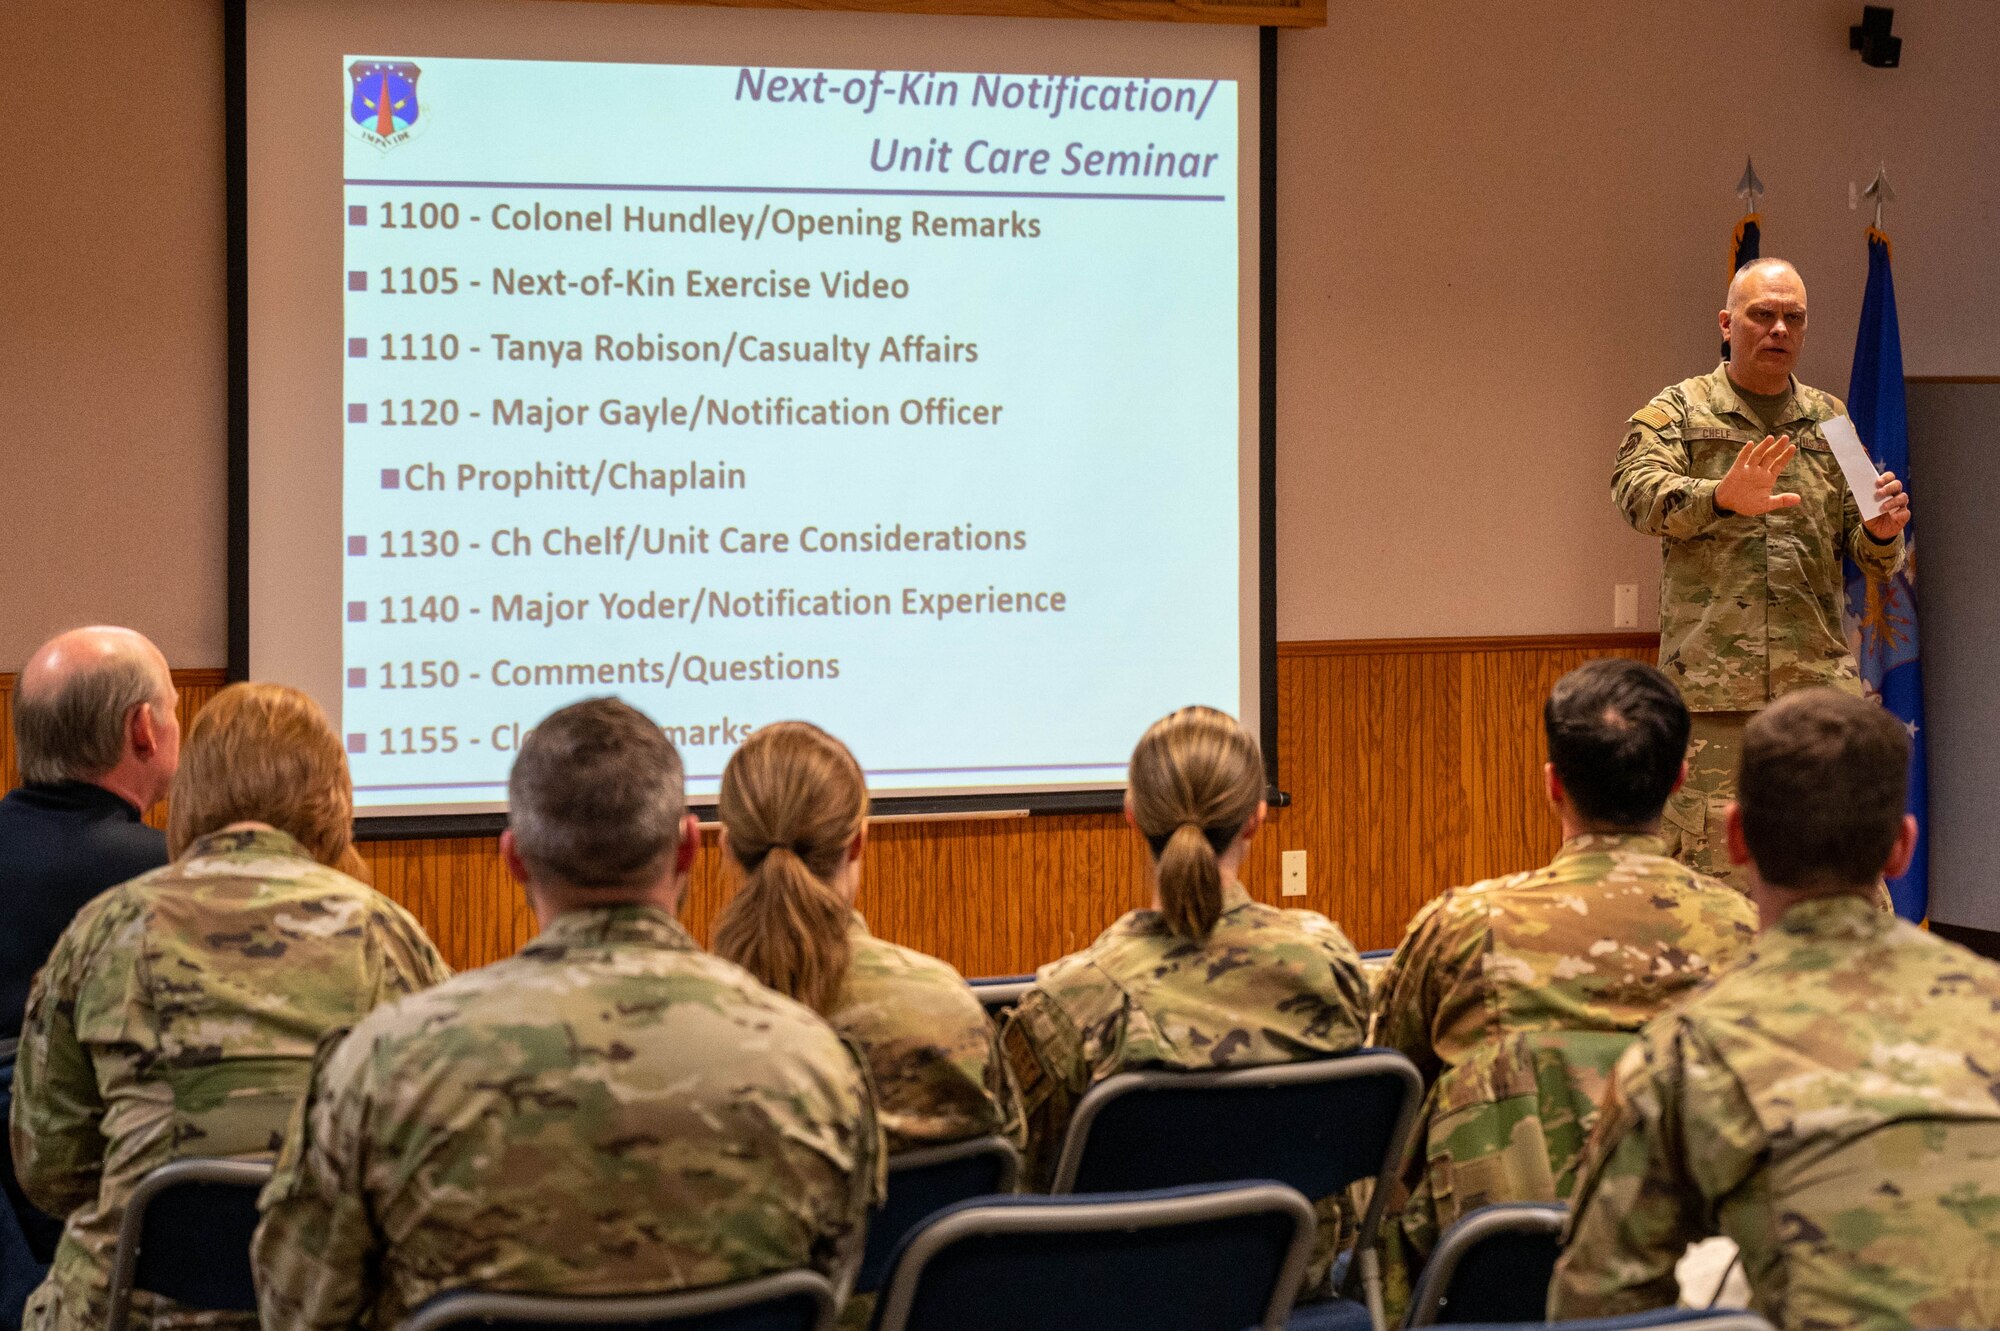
x=1412 y=766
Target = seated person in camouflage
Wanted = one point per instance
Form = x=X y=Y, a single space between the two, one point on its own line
x=793 y=808
x=1515 y=996
x=1205 y=978
x=179 y=1012
x=1830 y=1102
x=611 y=1111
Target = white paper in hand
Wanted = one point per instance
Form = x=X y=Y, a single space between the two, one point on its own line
x=1854 y=464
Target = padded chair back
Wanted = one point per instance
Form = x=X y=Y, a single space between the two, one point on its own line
x=1190 y=1259
x=786 y=1301
x=1001 y=994
x=1493 y=1265
x=186 y=1236
x=925 y=1181
x=1317 y=1126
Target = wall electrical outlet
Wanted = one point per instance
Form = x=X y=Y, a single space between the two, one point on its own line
x=1625 y=605
x=1294 y=878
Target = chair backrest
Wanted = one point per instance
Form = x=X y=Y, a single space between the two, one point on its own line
x=925 y=1181
x=1317 y=1126
x=786 y=1301
x=1493 y=1265
x=1702 y=1319
x=1001 y=994
x=1194 y=1259
x=186 y=1235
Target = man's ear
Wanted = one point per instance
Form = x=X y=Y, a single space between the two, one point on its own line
x=1739 y=848
x=1903 y=849
x=142 y=733
x=1552 y=787
x=1722 y=322
x=1680 y=779
x=510 y=855
x=690 y=843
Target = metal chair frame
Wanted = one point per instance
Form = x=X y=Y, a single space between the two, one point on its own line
x=1082 y=1216
x=1363 y=1064
x=472 y=1308
x=924 y=1157
x=131 y=1229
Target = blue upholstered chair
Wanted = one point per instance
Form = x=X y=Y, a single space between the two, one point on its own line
x=1317 y=1126
x=786 y=1301
x=1194 y=1259
x=1492 y=1265
x=186 y=1235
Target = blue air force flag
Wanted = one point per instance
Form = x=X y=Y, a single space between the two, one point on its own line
x=1882 y=615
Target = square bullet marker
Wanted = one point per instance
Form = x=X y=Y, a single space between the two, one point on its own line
x=357 y=545
x=391 y=479
x=357 y=281
x=357 y=743
x=357 y=348
x=357 y=677
x=357 y=612
x=357 y=413
x=357 y=214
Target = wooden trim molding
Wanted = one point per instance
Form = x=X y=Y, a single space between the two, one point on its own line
x=1606 y=643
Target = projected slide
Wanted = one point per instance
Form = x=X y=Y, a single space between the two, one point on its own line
x=902 y=402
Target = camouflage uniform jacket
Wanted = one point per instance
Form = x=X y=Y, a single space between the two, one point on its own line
x=177 y=1017
x=1833 y=1105
x=1515 y=996
x=1266 y=986
x=932 y=1054
x=610 y=1111
x=1750 y=607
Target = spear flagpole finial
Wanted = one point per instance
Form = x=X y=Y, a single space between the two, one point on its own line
x=1879 y=193
x=1749 y=187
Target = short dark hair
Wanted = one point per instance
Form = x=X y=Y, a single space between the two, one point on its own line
x=597 y=797
x=1820 y=789
x=1617 y=733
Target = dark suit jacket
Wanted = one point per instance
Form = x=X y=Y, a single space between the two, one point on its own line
x=60 y=845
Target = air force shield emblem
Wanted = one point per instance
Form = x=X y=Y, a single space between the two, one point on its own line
x=382 y=109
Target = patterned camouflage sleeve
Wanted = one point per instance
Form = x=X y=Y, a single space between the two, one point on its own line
x=57 y=1113
x=410 y=961
x=1650 y=480
x=1350 y=978
x=316 y=1245
x=1044 y=1054
x=1407 y=999
x=1645 y=1189
x=1878 y=559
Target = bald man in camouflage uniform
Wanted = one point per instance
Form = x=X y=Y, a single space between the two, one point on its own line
x=1832 y=1103
x=1515 y=996
x=1266 y=986
x=1752 y=589
x=611 y=1111
x=177 y=1017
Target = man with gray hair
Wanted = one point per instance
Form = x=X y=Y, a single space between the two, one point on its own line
x=610 y=1111
x=98 y=742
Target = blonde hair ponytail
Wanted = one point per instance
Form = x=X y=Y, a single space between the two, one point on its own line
x=792 y=801
x=1196 y=779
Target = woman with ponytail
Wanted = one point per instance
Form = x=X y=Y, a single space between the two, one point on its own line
x=1207 y=978
x=793 y=808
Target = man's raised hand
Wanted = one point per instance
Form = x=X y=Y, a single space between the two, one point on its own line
x=1747 y=487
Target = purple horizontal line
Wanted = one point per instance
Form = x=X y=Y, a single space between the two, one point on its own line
x=872 y=771
x=799 y=189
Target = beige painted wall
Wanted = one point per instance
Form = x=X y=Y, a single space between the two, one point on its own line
x=1502 y=228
